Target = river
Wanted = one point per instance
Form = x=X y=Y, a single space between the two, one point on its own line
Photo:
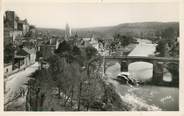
x=145 y=97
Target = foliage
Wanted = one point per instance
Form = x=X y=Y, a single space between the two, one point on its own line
x=39 y=86
x=76 y=51
x=169 y=34
x=123 y=39
x=174 y=51
x=64 y=47
x=90 y=52
x=161 y=48
x=168 y=43
x=112 y=100
x=78 y=83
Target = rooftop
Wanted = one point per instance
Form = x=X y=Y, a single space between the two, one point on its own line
x=7 y=64
x=30 y=51
x=21 y=52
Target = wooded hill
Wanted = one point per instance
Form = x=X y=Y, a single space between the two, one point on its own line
x=142 y=29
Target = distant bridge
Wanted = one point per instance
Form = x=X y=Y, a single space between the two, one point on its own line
x=158 y=63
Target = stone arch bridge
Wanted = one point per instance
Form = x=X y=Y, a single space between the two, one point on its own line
x=158 y=64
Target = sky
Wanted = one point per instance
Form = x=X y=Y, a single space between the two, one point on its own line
x=79 y=15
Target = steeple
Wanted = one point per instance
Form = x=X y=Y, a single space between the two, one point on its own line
x=67 y=31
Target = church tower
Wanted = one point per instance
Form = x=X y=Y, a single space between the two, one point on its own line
x=67 y=32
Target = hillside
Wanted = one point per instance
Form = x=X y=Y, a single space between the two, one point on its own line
x=51 y=31
x=143 y=29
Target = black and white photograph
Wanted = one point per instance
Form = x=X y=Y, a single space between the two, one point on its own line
x=75 y=57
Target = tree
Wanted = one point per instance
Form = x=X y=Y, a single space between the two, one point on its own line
x=168 y=38
x=89 y=86
x=112 y=47
x=78 y=82
x=76 y=51
x=124 y=40
x=39 y=86
x=102 y=42
x=90 y=52
x=56 y=68
x=160 y=48
x=64 y=47
x=67 y=76
x=168 y=33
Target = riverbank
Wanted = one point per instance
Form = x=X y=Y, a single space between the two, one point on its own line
x=124 y=50
x=146 y=97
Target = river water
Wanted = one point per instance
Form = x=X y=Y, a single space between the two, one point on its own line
x=145 y=97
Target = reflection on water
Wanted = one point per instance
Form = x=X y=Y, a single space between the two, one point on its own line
x=144 y=71
x=162 y=98
x=141 y=70
x=145 y=97
x=167 y=76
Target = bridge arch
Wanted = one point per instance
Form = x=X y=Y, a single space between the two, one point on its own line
x=126 y=62
x=157 y=70
x=158 y=65
x=141 y=70
x=173 y=68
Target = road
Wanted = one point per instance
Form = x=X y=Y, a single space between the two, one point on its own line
x=15 y=83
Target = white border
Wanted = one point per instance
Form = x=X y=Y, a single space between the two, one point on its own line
x=99 y=113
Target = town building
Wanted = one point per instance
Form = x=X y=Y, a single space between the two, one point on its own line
x=14 y=28
x=8 y=39
x=32 y=54
x=21 y=59
x=23 y=26
x=91 y=41
x=15 y=32
x=67 y=32
x=8 y=68
x=10 y=20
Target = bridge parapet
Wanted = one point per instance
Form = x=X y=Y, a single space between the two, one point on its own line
x=142 y=58
x=158 y=64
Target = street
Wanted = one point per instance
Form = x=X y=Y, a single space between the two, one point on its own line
x=15 y=84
